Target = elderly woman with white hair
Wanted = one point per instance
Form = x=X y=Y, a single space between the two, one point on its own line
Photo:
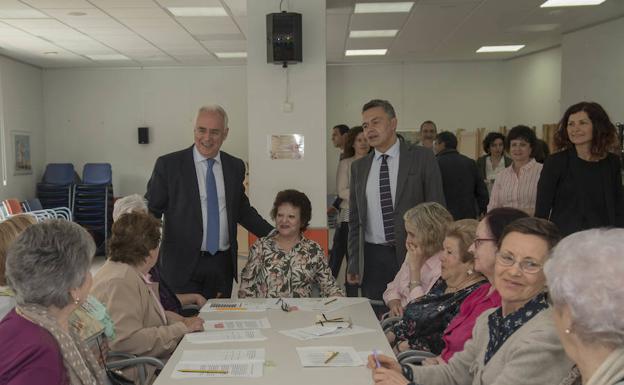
x=171 y=301
x=585 y=282
x=48 y=268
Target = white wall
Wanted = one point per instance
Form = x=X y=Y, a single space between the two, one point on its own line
x=92 y=115
x=454 y=95
x=21 y=87
x=533 y=85
x=593 y=67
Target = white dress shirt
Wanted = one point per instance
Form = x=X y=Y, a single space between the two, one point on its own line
x=201 y=166
x=374 y=232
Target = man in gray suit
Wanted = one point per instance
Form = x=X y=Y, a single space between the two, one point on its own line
x=384 y=185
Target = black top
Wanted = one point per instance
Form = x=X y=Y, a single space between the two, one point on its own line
x=578 y=195
x=464 y=189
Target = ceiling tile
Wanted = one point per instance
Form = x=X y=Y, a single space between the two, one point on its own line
x=105 y=4
x=237 y=7
x=366 y=21
x=208 y=25
x=58 y=3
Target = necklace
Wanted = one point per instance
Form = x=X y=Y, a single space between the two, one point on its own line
x=468 y=281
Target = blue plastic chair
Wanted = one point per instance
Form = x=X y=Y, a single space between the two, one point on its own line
x=97 y=173
x=59 y=174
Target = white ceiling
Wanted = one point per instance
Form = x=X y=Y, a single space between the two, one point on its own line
x=74 y=33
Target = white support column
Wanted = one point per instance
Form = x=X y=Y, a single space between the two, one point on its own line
x=267 y=92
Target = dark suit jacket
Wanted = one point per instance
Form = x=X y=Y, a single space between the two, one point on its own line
x=481 y=164
x=172 y=191
x=558 y=197
x=464 y=189
x=418 y=181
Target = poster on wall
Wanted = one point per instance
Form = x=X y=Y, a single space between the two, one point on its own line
x=289 y=147
x=21 y=149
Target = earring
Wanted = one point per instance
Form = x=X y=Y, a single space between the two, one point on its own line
x=567 y=331
x=470 y=272
x=76 y=300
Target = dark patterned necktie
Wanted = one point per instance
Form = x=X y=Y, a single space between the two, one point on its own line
x=385 y=197
x=212 y=227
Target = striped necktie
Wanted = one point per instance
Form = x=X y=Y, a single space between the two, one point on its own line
x=212 y=208
x=385 y=197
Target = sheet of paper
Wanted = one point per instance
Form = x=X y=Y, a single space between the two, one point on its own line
x=317 y=356
x=232 y=306
x=238 y=324
x=365 y=353
x=225 y=336
x=314 y=332
x=233 y=369
x=224 y=355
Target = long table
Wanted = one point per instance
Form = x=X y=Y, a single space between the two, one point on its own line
x=285 y=367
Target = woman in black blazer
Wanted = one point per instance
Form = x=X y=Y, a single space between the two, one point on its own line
x=580 y=187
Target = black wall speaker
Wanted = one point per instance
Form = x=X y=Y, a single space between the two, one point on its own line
x=143 y=135
x=284 y=38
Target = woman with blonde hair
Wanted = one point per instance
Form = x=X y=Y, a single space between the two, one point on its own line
x=9 y=230
x=425 y=225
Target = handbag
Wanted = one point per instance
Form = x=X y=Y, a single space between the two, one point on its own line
x=114 y=377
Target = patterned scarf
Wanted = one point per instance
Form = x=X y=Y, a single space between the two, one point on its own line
x=502 y=328
x=80 y=364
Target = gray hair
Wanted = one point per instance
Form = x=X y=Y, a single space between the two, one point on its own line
x=387 y=107
x=128 y=204
x=47 y=261
x=213 y=108
x=585 y=273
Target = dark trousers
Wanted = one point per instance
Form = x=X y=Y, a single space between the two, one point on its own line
x=212 y=276
x=380 y=268
x=336 y=254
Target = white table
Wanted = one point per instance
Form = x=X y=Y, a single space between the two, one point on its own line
x=280 y=349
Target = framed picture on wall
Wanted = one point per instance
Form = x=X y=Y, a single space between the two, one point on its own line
x=22 y=155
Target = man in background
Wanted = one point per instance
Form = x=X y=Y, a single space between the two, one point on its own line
x=464 y=190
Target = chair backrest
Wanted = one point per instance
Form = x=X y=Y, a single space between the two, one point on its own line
x=33 y=204
x=97 y=173
x=59 y=173
x=13 y=206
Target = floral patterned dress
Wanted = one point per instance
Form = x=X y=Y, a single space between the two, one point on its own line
x=272 y=272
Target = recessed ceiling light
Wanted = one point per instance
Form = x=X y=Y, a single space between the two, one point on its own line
x=500 y=48
x=77 y=13
x=104 y=57
x=397 y=7
x=374 y=33
x=366 y=52
x=570 y=3
x=231 y=55
x=197 y=11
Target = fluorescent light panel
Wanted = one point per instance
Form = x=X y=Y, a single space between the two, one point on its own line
x=397 y=7
x=231 y=55
x=106 y=57
x=570 y=3
x=366 y=52
x=500 y=48
x=197 y=11
x=374 y=33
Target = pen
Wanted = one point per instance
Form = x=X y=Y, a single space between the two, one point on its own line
x=203 y=371
x=331 y=357
x=330 y=301
x=377 y=364
x=230 y=308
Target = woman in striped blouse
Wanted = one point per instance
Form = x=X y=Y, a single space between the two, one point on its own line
x=516 y=185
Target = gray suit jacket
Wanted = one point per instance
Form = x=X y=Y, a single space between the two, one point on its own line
x=418 y=181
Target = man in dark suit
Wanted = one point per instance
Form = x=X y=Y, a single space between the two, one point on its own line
x=464 y=190
x=384 y=185
x=200 y=192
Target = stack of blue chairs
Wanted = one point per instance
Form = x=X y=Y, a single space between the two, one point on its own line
x=93 y=202
x=55 y=190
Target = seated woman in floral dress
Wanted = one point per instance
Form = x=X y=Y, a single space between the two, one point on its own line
x=285 y=263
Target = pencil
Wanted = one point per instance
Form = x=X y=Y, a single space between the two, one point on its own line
x=333 y=355
x=330 y=301
x=203 y=371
